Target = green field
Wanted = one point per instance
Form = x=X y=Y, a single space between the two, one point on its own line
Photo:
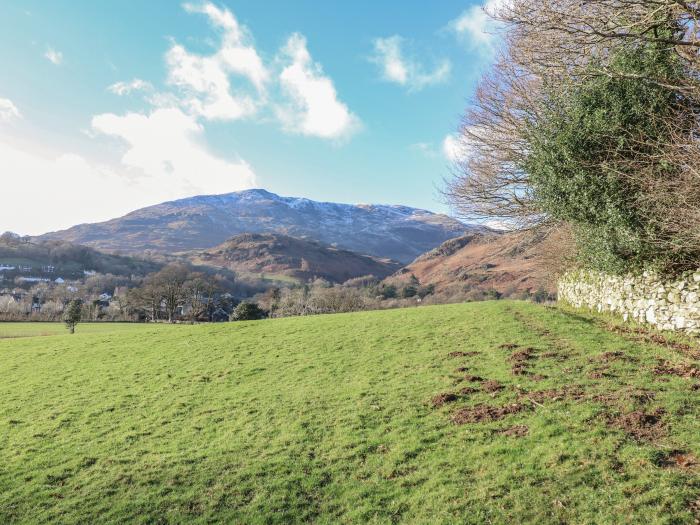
x=550 y=417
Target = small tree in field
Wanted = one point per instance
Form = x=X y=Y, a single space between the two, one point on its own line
x=73 y=314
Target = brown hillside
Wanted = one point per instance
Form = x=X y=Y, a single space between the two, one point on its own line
x=275 y=255
x=482 y=262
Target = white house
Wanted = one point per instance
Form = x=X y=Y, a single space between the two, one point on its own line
x=59 y=280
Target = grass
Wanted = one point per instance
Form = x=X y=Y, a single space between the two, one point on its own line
x=330 y=419
x=36 y=329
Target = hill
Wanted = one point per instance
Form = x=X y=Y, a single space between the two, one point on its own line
x=300 y=259
x=478 y=261
x=395 y=232
x=46 y=258
x=501 y=412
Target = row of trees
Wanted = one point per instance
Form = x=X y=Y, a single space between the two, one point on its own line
x=587 y=126
x=179 y=291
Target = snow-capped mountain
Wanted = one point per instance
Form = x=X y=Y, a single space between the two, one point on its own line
x=397 y=232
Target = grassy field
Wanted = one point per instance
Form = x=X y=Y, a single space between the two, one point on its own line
x=499 y=412
x=13 y=330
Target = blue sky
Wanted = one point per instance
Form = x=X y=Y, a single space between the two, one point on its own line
x=113 y=105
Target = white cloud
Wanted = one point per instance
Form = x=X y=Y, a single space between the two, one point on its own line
x=205 y=80
x=314 y=107
x=166 y=151
x=53 y=56
x=164 y=160
x=53 y=191
x=8 y=111
x=126 y=88
x=406 y=71
x=475 y=26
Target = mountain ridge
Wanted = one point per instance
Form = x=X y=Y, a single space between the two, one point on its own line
x=195 y=223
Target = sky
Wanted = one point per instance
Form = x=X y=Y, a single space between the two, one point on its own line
x=109 y=106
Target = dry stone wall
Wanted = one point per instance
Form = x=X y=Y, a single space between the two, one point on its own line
x=646 y=298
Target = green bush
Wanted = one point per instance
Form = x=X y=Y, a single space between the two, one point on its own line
x=591 y=148
x=246 y=311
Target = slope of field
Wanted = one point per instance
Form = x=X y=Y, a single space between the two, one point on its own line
x=479 y=261
x=266 y=253
x=500 y=412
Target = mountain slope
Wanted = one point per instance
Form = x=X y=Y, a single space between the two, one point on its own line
x=301 y=259
x=47 y=258
x=397 y=232
x=478 y=261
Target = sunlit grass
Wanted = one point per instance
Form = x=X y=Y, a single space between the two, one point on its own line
x=328 y=419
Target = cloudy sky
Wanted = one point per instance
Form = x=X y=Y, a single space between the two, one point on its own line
x=109 y=106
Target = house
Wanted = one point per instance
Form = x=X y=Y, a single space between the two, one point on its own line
x=6 y=268
x=59 y=280
x=88 y=273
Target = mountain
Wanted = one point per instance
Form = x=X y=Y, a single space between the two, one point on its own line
x=396 y=232
x=476 y=261
x=280 y=255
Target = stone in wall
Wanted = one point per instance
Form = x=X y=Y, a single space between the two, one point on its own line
x=645 y=298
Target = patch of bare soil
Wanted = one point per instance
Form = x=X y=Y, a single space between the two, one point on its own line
x=640 y=334
x=687 y=370
x=462 y=354
x=485 y=413
x=462 y=369
x=640 y=425
x=491 y=386
x=508 y=346
x=473 y=379
x=515 y=431
x=441 y=399
x=467 y=390
x=679 y=459
x=519 y=361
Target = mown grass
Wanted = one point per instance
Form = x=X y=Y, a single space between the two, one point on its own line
x=329 y=419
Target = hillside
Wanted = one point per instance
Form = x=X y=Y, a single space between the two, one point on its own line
x=500 y=412
x=300 y=259
x=44 y=258
x=482 y=262
x=395 y=232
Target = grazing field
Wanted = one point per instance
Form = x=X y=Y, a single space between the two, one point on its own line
x=499 y=412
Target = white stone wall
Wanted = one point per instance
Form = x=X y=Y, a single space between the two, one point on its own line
x=669 y=305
